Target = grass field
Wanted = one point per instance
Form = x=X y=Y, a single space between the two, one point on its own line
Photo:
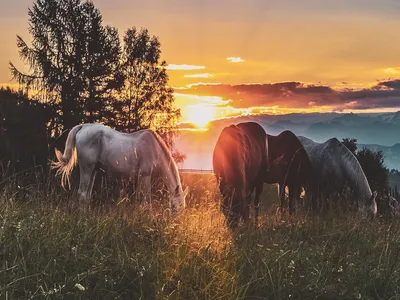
x=49 y=250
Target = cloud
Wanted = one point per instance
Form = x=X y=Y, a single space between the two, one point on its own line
x=289 y=95
x=235 y=59
x=201 y=83
x=395 y=70
x=184 y=67
x=202 y=75
x=195 y=99
x=292 y=94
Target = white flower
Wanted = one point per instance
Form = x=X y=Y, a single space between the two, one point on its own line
x=80 y=287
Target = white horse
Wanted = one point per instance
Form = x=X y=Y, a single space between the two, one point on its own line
x=138 y=156
x=335 y=167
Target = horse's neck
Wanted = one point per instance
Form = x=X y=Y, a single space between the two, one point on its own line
x=169 y=173
x=359 y=181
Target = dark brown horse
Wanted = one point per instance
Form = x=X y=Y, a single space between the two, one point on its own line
x=289 y=166
x=238 y=161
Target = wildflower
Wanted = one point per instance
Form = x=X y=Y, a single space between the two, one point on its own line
x=340 y=269
x=291 y=265
x=79 y=287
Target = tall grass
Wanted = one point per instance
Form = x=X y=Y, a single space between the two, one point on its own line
x=49 y=249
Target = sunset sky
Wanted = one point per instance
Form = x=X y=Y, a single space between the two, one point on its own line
x=229 y=58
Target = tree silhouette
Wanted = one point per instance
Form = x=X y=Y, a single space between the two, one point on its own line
x=23 y=137
x=146 y=100
x=373 y=165
x=73 y=59
x=351 y=144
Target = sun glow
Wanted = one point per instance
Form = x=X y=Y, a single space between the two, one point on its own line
x=200 y=114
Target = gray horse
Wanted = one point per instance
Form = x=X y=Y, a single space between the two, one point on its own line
x=336 y=167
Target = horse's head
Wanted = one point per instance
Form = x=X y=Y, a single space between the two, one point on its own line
x=370 y=208
x=178 y=199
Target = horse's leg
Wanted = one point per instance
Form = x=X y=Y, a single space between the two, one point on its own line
x=324 y=200
x=246 y=208
x=91 y=183
x=146 y=189
x=85 y=183
x=291 y=198
x=233 y=208
x=123 y=191
x=313 y=197
x=282 y=196
x=298 y=201
x=259 y=188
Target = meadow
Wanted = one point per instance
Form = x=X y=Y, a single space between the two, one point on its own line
x=50 y=249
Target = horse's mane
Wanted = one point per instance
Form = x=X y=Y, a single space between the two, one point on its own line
x=256 y=134
x=229 y=156
x=286 y=141
x=166 y=151
x=352 y=168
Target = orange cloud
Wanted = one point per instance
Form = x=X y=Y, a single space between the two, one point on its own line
x=202 y=75
x=201 y=83
x=184 y=67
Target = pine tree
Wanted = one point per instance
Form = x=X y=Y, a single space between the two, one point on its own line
x=73 y=59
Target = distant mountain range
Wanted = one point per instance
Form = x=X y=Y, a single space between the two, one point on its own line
x=380 y=131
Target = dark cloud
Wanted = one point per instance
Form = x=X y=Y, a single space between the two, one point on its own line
x=298 y=95
x=393 y=84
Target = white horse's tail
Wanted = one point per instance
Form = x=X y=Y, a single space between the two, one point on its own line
x=67 y=161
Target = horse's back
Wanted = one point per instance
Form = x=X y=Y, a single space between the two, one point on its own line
x=255 y=133
x=114 y=151
x=256 y=150
x=88 y=142
x=286 y=157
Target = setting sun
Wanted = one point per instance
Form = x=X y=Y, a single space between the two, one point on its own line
x=200 y=114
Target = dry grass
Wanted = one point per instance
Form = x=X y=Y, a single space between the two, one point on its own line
x=48 y=250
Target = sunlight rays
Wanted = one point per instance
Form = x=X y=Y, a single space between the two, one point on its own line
x=200 y=114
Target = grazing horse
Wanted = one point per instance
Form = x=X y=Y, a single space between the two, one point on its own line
x=288 y=165
x=138 y=156
x=336 y=166
x=259 y=136
x=237 y=162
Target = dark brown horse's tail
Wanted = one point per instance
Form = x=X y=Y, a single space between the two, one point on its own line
x=67 y=161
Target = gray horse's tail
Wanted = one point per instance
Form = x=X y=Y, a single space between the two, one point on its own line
x=67 y=161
